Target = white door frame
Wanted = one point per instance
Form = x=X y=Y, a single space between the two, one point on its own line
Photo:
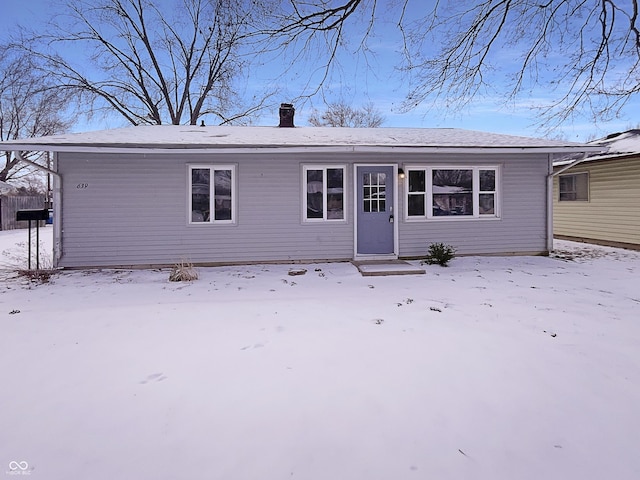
x=395 y=213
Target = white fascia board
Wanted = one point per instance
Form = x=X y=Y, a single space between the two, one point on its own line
x=295 y=149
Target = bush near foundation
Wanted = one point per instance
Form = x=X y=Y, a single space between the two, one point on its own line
x=440 y=254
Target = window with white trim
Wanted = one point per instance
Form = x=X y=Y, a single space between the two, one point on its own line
x=323 y=192
x=452 y=192
x=574 y=187
x=212 y=194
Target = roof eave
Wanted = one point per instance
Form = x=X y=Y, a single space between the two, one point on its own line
x=601 y=158
x=149 y=148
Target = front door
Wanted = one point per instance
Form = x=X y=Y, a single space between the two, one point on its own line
x=375 y=210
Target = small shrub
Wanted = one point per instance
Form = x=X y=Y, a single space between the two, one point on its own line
x=183 y=272
x=440 y=254
x=37 y=276
x=17 y=258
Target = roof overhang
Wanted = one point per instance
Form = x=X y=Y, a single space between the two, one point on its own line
x=93 y=148
x=600 y=158
x=250 y=139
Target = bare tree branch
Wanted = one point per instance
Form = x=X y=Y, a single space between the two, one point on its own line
x=30 y=106
x=585 y=52
x=152 y=64
x=157 y=67
x=307 y=36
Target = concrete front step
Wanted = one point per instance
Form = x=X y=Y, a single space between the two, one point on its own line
x=373 y=268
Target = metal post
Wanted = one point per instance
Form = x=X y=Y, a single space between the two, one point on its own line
x=38 y=216
x=48 y=180
x=37 y=245
x=29 y=248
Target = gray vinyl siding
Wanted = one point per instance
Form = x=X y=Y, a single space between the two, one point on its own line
x=133 y=210
x=612 y=213
x=521 y=228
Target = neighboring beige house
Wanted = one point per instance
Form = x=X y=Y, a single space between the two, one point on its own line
x=597 y=199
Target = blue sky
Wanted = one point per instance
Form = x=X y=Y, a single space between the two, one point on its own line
x=359 y=79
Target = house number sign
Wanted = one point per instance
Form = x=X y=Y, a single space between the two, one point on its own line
x=82 y=186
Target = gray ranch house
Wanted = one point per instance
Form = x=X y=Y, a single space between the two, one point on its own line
x=157 y=195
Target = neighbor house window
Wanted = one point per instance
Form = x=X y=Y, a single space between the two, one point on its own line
x=469 y=192
x=323 y=197
x=211 y=194
x=574 y=187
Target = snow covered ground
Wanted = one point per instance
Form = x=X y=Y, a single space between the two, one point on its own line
x=494 y=368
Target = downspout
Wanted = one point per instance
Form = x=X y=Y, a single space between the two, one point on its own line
x=34 y=164
x=57 y=204
x=550 y=178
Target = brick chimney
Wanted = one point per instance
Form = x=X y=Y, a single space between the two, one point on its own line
x=286 y=115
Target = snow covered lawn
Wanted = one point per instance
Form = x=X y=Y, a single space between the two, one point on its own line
x=494 y=368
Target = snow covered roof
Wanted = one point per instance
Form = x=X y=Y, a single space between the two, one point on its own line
x=613 y=146
x=624 y=142
x=190 y=137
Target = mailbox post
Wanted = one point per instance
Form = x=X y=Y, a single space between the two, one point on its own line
x=33 y=215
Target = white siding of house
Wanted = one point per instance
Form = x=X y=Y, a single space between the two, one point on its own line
x=133 y=210
x=612 y=214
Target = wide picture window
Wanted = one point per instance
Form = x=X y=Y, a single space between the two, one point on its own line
x=211 y=194
x=452 y=192
x=323 y=193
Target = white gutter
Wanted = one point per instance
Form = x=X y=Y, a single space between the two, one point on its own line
x=57 y=205
x=571 y=165
x=20 y=158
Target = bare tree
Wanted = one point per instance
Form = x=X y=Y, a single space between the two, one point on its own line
x=343 y=115
x=30 y=106
x=586 y=53
x=153 y=65
x=305 y=37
